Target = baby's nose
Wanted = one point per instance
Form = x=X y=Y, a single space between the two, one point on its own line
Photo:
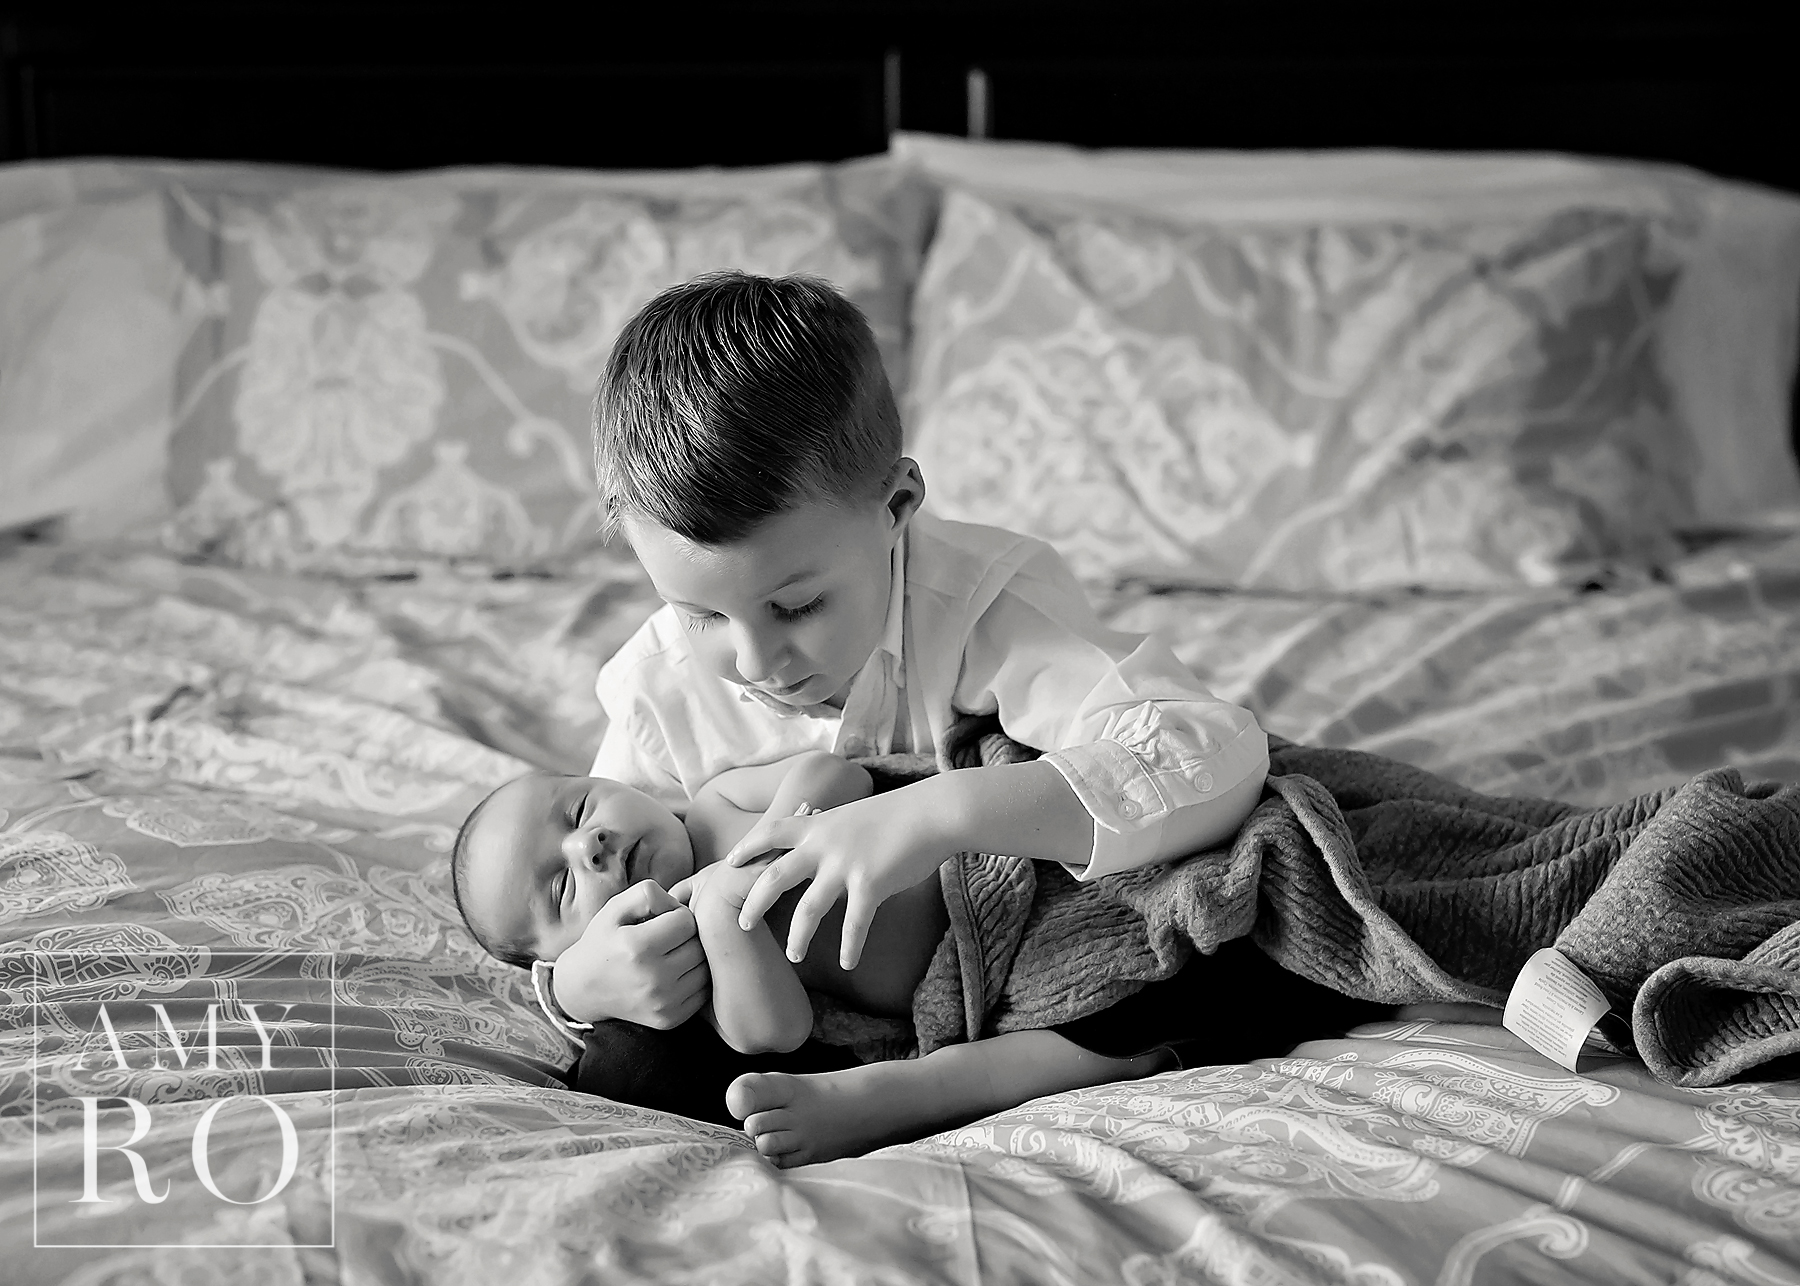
x=582 y=846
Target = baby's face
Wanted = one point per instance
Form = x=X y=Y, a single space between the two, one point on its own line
x=548 y=852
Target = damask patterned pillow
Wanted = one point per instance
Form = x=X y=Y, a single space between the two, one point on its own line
x=1318 y=406
x=399 y=369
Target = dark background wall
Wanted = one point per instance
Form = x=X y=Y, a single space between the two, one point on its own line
x=385 y=84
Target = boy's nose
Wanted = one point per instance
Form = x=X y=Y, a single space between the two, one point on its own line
x=757 y=658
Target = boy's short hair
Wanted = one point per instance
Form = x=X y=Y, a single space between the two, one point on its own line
x=732 y=398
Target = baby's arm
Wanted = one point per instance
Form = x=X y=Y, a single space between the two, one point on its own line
x=758 y=1004
x=740 y=803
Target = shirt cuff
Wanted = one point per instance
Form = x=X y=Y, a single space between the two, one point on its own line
x=1131 y=801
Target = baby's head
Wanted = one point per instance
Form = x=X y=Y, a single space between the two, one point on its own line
x=747 y=444
x=539 y=856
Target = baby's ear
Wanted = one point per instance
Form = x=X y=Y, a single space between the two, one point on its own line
x=904 y=492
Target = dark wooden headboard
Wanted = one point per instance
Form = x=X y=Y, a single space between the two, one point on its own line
x=396 y=84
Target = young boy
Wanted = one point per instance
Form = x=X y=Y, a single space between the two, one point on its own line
x=539 y=858
x=748 y=447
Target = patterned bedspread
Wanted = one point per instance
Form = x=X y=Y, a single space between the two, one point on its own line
x=250 y=781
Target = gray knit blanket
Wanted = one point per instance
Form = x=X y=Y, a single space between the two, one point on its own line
x=1391 y=884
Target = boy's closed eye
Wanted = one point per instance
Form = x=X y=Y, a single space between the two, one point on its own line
x=797 y=613
x=787 y=615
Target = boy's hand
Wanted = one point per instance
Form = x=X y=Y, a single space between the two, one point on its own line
x=759 y=839
x=864 y=852
x=725 y=885
x=638 y=959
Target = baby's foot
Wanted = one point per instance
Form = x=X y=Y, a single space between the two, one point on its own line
x=798 y=1120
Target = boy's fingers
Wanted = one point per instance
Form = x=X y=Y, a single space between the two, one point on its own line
x=808 y=911
x=857 y=915
x=770 y=885
x=780 y=832
x=682 y=890
x=747 y=847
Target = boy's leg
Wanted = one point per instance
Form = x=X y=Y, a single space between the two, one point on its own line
x=797 y=1120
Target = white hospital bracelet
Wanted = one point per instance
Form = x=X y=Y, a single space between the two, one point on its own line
x=543 y=981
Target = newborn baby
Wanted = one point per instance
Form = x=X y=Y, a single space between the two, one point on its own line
x=541 y=857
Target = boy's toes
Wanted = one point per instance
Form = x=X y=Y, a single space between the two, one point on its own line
x=757 y=1092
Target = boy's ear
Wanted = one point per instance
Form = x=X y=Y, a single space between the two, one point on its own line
x=904 y=493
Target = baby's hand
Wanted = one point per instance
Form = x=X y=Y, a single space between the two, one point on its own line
x=639 y=959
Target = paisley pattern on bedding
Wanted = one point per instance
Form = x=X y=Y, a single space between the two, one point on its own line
x=241 y=785
x=1590 y=698
x=1410 y=1152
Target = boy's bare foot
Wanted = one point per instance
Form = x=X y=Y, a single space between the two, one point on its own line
x=798 y=1120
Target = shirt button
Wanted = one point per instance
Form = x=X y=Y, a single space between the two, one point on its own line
x=1129 y=810
x=1202 y=781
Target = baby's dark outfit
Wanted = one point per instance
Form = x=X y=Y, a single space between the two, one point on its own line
x=1230 y=1007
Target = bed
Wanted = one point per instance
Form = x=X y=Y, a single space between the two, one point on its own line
x=1481 y=462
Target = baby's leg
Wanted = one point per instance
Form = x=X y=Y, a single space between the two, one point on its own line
x=797 y=1120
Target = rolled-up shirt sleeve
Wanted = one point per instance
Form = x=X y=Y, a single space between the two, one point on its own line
x=1164 y=767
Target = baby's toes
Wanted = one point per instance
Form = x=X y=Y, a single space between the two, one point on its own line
x=758 y=1092
x=783 y=1147
x=759 y=1125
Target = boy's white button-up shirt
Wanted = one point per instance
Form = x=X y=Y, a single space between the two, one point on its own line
x=979 y=621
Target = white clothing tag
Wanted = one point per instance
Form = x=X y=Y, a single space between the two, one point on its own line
x=1553 y=1006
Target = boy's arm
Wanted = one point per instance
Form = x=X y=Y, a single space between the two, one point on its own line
x=1162 y=767
x=1145 y=765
